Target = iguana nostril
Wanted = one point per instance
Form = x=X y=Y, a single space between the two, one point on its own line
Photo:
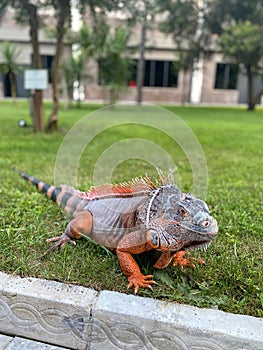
x=201 y=219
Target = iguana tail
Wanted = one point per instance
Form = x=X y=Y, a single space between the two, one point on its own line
x=49 y=190
x=64 y=196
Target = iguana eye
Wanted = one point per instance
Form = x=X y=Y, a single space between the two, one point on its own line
x=182 y=211
x=205 y=223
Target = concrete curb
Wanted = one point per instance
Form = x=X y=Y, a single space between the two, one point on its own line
x=16 y=343
x=80 y=318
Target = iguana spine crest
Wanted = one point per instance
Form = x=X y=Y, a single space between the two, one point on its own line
x=125 y=189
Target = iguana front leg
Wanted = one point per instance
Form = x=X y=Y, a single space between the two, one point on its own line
x=79 y=226
x=134 y=243
x=164 y=260
x=178 y=259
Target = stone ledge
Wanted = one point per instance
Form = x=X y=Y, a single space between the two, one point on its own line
x=5 y=341
x=16 y=343
x=46 y=311
x=80 y=318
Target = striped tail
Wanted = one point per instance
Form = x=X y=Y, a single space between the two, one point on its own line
x=49 y=190
x=64 y=196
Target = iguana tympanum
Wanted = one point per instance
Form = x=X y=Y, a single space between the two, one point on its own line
x=135 y=217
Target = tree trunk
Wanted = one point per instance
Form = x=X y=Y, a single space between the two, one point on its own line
x=38 y=118
x=251 y=95
x=12 y=81
x=140 y=66
x=64 y=13
x=38 y=111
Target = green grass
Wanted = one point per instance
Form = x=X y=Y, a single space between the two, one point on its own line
x=232 y=140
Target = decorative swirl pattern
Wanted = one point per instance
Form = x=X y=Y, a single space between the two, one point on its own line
x=76 y=323
x=52 y=321
x=125 y=336
x=122 y=336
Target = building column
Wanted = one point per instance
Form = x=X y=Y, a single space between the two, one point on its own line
x=197 y=80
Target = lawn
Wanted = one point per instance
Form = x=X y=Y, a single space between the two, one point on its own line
x=232 y=141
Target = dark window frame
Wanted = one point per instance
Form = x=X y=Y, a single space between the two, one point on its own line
x=226 y=76
x=158 y=73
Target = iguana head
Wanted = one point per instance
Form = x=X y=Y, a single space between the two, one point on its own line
x=177 y=220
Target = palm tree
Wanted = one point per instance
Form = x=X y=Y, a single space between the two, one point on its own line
x=114 y=65
x=10 y=67
x=74 y=74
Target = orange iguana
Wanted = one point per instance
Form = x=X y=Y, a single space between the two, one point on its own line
x=132 y=218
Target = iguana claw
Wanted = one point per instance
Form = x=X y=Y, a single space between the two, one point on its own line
x=61 y=241
x=140 y=281
x=181 y=261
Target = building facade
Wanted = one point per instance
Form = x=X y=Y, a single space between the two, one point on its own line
x=19 y=36
x=213 y=82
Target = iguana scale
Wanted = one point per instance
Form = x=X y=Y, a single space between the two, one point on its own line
x=132 y=218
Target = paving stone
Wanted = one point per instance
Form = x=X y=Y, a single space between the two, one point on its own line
x=4 y=341
x=129 y=322
x=79 y=318
x=25 y=344
x=46 y=311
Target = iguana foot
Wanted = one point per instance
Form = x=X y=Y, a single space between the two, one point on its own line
x=140 y=281
x=181 y=261
x=61 y=241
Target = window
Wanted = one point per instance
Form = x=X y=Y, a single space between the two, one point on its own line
x=47 y=64
x=158 y=73
x=226 y=76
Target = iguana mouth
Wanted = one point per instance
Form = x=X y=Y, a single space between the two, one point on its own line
x=198 y=245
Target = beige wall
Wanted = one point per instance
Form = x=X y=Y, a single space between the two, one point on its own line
x=19 y=35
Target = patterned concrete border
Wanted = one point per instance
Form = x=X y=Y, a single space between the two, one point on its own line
x=79 y=318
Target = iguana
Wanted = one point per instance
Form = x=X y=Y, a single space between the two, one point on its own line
x=132 y=218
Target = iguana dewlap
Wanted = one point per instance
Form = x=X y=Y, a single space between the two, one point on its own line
x=132 y=218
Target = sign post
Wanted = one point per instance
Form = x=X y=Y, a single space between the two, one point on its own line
x=36 y=80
